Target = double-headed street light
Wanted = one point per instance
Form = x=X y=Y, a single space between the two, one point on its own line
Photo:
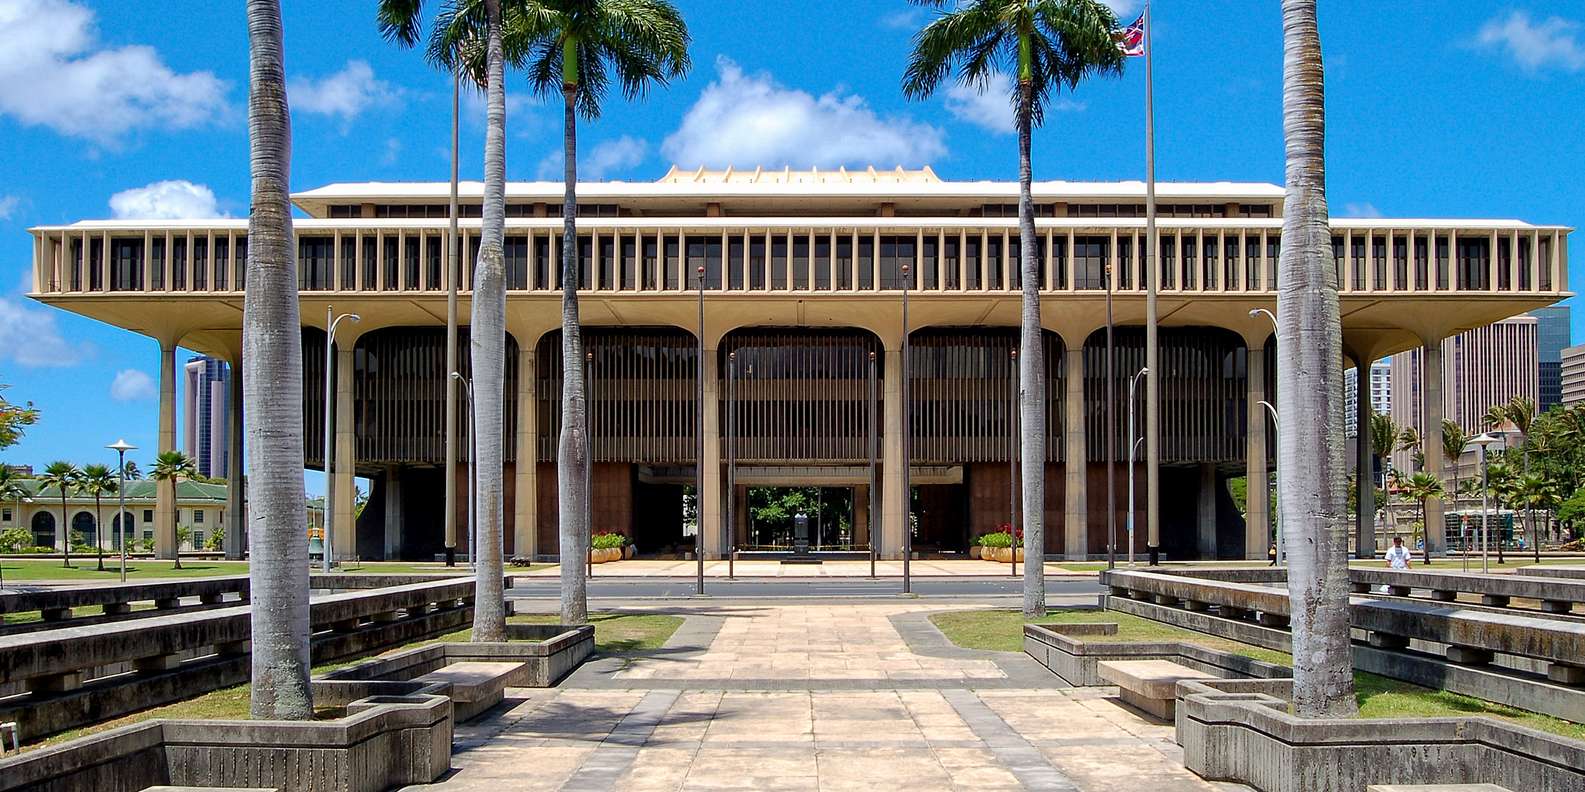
x=1276 y=426
x=1277 y=557
x=1481 y=441
x=331 y=320
x=473 y=467
x=1133 y=445
x=121 y=447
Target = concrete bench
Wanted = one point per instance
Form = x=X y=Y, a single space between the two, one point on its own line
x=1435 y=788
x=474 y=686
x=1149 y=685
x=208 y=789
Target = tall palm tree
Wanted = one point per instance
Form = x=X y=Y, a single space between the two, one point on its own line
x=272 y=379
x=1053 y=45
x=172 y=467
x=98 y=481
x=1519 y=412
x=1310 y=450
x=132 y=471
x=63 y=476
x=1455 y=441
x=574 y=48
x=1422 y=487
x=468 y=35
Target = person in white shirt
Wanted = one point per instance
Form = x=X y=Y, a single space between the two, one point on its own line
x=1398 y=555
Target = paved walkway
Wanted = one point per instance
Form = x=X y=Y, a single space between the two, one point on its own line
x=821 y=698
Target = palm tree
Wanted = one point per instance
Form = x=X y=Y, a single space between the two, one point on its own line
x=11 y=488
x=63 y=476
x=133 y=473
x=574 y=48
x=1310 y=494
x=272 y=377
x=1422 y=487
x=1054 y=45
x=173 y=467
x=1454 y=442
x=1519 y=412
x=1409 y=440
x=98 y=480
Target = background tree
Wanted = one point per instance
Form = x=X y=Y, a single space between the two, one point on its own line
x=1310 y=451
x=14 y=419
x=272 y=379
x=64 y=477
x=576 y=49
x=132 y=471
x=12 y=490
x=1422 y=487
x=98 y=481
x=1052 y=45
x=1409 y=440
x=171 y=468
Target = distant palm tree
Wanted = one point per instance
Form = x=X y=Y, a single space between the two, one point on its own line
x=1053 y=45
x=574 y=48
x=1422 y=487
x=1310 y=495
x=11 y=488
x=173 y=467
x=131 y=471
x=98 y=480
x=1455 y=441
x=272 y=378
x=63 y=476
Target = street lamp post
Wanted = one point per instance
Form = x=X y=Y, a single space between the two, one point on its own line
x=1111 y=560
x=1481 y=441
x=731 y=464
x=1276 y=426
x=121 y=447
x=473 y=468
x=331 y=321
x=869 y=443
x=1013 y=448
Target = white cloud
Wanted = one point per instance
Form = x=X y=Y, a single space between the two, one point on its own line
x=1124 y=8
x=344 y=94
x=749 y=120
x=8 y=206
x=1360 y=210
x=992 y=107
x=1534 y=45
x=132 y=385
x=176 y=199
x=393 y=151
x=600 y=161
x=906 y=19
x=54 y=72
x=30 y=337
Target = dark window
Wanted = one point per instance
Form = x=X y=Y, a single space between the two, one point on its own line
x=198 y=517
x=778 y=262
x=1089 y=261
x=349 y=262
x=516 y=250
x=704 y=252
x=314 y=262
x=126 y=264
x=200 y=263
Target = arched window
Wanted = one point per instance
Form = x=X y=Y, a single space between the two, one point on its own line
x=43 y=529
x=84 y=526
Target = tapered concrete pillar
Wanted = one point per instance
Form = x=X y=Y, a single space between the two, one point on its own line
x=525 y=504
x=711 y=505
x=1431 y=439
x=1365 y=474
x=861 y=515
x=1205 y=513
x=393 y=511
x=164 y=498
x=893 y=481
x=236 y=541
x=346 y=468
x=1257 y=518
x=1075 y=456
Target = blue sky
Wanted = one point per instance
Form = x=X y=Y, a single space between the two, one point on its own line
x=1436 y=109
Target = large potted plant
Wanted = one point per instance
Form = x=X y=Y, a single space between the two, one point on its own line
x=607 y=547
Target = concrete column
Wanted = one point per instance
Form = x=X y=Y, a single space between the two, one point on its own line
x=1365 y=515
x=1075 y=457
x=164 y=499
x=1205 y=519
x=525 y=505
x=710 y=501
x=1431 y=438
x=892 y=478
x=346 y=468
x=861 y=514
x=236 y=541
x=393 y=512
x=1257 y=518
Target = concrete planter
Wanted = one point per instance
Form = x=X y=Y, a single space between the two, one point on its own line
x=1006 y=555
x=382 y=743
x=548 y=652
x=1073 y=651
x=988 y=553
x=630 y=551
x=1241 y=731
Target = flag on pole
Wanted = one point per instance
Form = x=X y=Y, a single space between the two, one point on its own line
x=1131 y=39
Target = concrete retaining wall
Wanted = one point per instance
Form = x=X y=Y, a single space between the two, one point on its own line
x=1241 y=732
x=382 y=743
x=547 y=652
x=1073 y=654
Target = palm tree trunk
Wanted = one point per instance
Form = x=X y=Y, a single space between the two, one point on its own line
x=1309 y=377
x=99 y=531
x=66 y=532
x=272 y=360
x=487 y=338
x=1031 y=374
x=572 y=454
x=176 y=527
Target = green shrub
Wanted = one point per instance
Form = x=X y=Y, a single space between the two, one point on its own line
x=216 y=540
x=998 y=539
x=15 y=540
x=606 y=541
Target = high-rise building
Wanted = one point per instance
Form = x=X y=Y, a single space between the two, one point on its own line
x=1552 y=336
x=206 y=414
x=1380 y=392
x=1573 y=371
x=1481 y=369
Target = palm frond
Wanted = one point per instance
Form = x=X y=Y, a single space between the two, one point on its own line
x=400 y=21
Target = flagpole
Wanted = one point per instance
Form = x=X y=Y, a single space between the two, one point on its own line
x=1152 y=272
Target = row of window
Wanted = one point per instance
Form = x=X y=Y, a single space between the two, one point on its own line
x=341 y=211
x=550 y=209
